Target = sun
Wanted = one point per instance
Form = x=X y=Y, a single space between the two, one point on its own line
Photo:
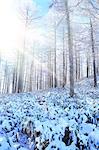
x=12 y=30
x=9 y=26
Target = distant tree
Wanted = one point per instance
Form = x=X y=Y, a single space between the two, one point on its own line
x=27 y=14
x=64 y=60
x=55 y=75
x=87 y=65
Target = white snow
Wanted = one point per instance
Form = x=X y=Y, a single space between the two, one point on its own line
x=39 y=119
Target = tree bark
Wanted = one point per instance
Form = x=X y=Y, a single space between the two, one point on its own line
x=93 y=54
x=70 y=46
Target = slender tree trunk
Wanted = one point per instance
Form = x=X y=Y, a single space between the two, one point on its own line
x=31 y=74
x=49 y=69
x=41 y=76
x=64 y=61
x=21 y=76
x=70 y=46
x=93 y=54
x=87 y=66
x=79 y=66
x=55 y=77
x=76 y=65
x=13 y=81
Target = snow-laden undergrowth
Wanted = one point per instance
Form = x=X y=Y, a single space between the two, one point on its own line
x=51 y=120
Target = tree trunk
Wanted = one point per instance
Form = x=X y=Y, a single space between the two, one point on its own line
x=93 y=54
x=55 y=78
x=64 y=62
x=70 y=46
x=87 y=66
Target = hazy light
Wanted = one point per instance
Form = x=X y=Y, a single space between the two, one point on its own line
x=12 y=29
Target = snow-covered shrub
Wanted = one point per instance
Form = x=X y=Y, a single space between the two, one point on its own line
x=28 y=128
x=4 y=143
x=93 y=140
x=7 y=125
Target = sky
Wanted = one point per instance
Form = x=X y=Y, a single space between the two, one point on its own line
x=11 y=28
x=44 y=5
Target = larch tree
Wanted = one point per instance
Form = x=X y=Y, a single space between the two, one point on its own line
x=70 y=47
x=91 y=11
x=93 y=54
x=28 y=15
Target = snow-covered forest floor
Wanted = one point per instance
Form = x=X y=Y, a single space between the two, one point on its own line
x=51 y=120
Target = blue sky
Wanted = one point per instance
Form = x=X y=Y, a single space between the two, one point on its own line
x=44 y=5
